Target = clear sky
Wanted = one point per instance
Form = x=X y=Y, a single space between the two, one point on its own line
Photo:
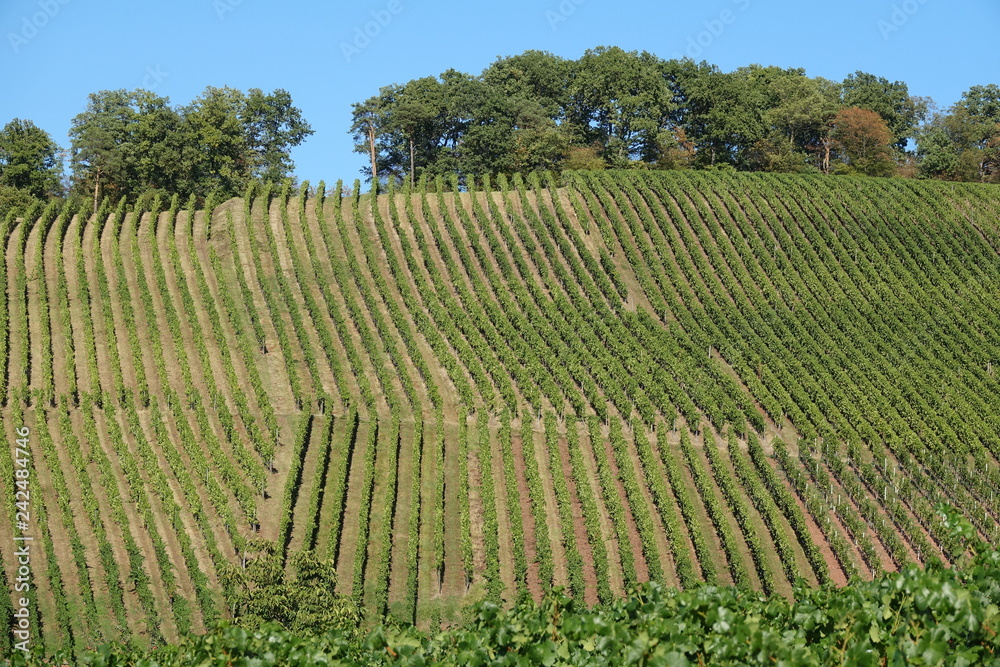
x=54 y=52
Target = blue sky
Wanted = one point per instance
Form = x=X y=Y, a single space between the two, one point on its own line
x=54 y=52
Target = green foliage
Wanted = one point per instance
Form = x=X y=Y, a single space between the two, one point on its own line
x=28 y=160
x=619 y=100
x=890 y=100
x=964 y=143
x=14 y=201
x=302 y=602
x=928 y=617
x=624 y=109
x=858 y=313
x=272 y=126
x=127 y=143
x=960 y=534
x=628 y=109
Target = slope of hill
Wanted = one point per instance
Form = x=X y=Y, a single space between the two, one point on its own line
x=622 y=376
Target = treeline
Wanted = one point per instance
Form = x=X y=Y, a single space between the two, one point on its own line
x=619 y=109
x=534 y=111
x=127 y=143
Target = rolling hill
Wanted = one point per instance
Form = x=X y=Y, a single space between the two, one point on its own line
x=456 y=394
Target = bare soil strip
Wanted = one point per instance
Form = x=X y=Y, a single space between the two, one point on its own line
x=579 y=527
x=528 y=518
x=352 y=509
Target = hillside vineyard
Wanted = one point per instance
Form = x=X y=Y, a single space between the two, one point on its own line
x=587 y=380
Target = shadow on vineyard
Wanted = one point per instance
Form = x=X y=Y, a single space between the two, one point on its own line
x=724 y=391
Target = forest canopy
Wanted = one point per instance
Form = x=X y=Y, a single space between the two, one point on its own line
x=129 y=142
x=631 y=109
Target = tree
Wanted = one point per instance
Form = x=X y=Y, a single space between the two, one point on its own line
x=585 y=158
x=539 y=111
x=414 y=116
x=511 y=133
x=417 y=117
x=222 y=159
x=13 y=199
x=272 y=126
x=982 y=102
x=798 y=122
x=975 y=125
x=460 y=124
x=533 y=75
x=129 y=142
x=28 y=159
x=304 y=602
x=804 y=107
x=461 y=97
x=937 y=153
x=725 y=112
x=621 y=100
x=368 y=122
x=100 y=136
x=865 y=141
x=775 y=153
x=676 y=150
x=156 y=150
x=964 y=143
x=401 y=129
x=891 y=101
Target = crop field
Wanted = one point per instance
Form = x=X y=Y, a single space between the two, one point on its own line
x=456 y=394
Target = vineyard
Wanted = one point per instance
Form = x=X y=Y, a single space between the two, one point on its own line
x=475 y=393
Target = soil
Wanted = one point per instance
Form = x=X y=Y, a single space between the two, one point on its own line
x=535 y=586
x=579 y=526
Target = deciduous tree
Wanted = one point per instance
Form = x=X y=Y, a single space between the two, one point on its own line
x=890 y=100
x=272 y=126
x=621 y=100
x=864 y=141
x=129 y=142
x=28 y=159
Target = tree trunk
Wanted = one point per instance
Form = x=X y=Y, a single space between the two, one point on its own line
x=97 y=187
x=411 y=162
x=371 y=147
